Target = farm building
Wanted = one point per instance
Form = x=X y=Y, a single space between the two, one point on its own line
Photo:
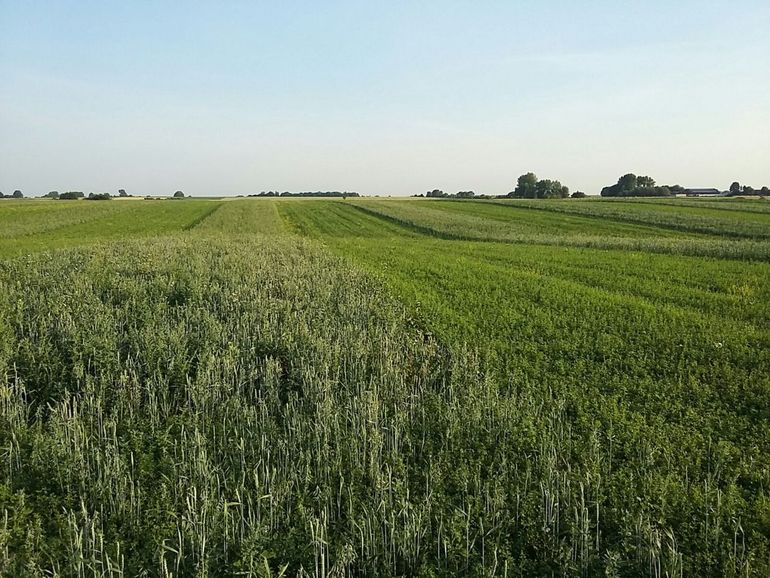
x=703 y=193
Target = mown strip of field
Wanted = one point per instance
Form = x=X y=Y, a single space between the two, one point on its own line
x=59 y=224
x=680 y=217
x=337 y=219
x=457 y=220
x=20 y=218
x=753 y=205
x=242 y=217
x=556 y=223
x=661 y=364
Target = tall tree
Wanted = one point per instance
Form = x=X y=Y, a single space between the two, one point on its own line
x=645 y=182
x=628 y=182
x=526 y=186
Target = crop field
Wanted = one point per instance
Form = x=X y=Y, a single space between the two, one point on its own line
x=692 y=217
x=33 y=226
x=380 y=387
x=598 y=224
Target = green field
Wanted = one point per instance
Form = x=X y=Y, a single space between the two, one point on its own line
x=28 y=226
x=381 y=387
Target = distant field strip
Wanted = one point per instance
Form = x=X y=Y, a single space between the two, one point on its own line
x=687 y=218
x=463 y=220
x=79 y=223
x=243 y=217
x=756 y=205
x=28 y=217
x=554 y=223
x=338 y=219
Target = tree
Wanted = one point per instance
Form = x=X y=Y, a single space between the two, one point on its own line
x=629 y=185
x=465 y=194
x=526 y=187
x=122 y=193
x=52 y=195
x=645 y=182
x=435 y=193
x=71 y=196
x=17 y=194
x=179 y=195
x=548 y=189
x=578 y=195
x=628 y=182
x=735 y=188
x=764 y=191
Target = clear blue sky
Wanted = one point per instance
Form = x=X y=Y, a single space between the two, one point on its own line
x=392 y=97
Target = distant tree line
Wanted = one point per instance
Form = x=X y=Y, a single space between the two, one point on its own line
x=439 y=194
x=736 y=189
x=630 y=185
x=69 y=195
x=529 y=187
x=335 y=194
x=99 y=197
x=74 y=195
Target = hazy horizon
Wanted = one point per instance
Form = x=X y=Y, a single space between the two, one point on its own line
x=390 y=99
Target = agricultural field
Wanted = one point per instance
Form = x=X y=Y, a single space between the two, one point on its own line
x=381 y=387
x=603 y=224
x=42 y=224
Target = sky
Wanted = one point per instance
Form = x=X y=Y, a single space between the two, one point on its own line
x=388 y=98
